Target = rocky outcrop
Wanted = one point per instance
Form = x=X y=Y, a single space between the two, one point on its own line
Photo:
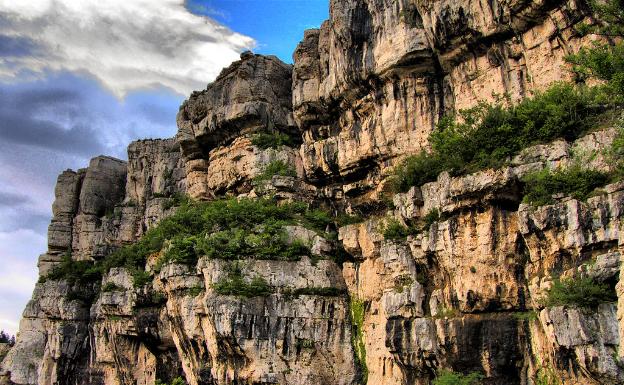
x=251 y=96
x=465 y=292
x=370 y=85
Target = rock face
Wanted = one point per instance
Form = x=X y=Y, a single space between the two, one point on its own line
x=366 y=89
x=369 y=86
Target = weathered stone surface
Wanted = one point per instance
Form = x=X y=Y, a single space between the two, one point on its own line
x=366 y=89
x=370 y=85
x=252 y=94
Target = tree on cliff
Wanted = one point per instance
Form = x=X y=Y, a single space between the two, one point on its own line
x=605 y=60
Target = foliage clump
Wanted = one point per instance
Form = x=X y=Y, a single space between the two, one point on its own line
x=575 y=181
x=276 y=167
x=579 y=292
x=395 y=230
x=225 y=229
x=235 y=284
x=449 y=377
x=265 y=140
x=175 y=381
x=488 y=135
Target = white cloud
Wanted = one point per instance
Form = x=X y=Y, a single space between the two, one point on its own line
x=125 y=44
x=18 y=277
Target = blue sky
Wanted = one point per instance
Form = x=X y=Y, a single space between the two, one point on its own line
x=83 y=78
x=276 y=25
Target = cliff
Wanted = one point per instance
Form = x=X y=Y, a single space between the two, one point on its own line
x=348 y=306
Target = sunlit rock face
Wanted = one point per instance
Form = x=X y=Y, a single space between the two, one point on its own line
x=367 y=88
x=371 y=83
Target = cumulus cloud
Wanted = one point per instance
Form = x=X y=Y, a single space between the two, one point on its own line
x=126 y=45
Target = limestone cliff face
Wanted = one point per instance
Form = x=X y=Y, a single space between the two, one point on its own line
x=370 y=85
x=365 y=89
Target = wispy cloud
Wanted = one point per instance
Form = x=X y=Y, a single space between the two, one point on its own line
x=126 y=45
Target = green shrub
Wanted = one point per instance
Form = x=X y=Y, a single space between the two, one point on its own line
x=402 y=282
x=74 y=272
x=110 y=286
x=432 y=216
x=347 y=219
x=574 y=181
x=236 y=285
x=181 y=250
x=276 y=167
x=603 y=61
x=195 y=290
x=226 y=228
x=416 y=170
x=175 y=381
x=395 y=230
x=320 y=291
x=488 y=135
x=140 y=278
x=579 y=292
x=448 y=377
x=318 y=219
x=266 y=140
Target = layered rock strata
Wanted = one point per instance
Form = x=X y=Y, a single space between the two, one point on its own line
x=366 y=89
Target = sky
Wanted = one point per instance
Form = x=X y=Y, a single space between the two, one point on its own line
x=80 y=78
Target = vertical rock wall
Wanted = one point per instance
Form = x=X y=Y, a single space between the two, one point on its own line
x=366 y=89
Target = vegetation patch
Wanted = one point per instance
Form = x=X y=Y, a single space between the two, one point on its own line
x=110 y=287
x=265 y=140
x=579 y=292
x=401 y=282
x=236 y=285
x=575 y=181
x=488 y=135
x=276 y=167
x=395 y=230
x=449 y=377
x=358 y=310
x=175 y=381
x=314 y=290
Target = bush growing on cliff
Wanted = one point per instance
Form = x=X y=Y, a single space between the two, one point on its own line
x=575 y=181
x=175 y=381
x=488 y=135
x=266 y=140
x=448 y=377
x=236 y=285
x=393 y=229
x=581 y=292
x=605 y=60
x=226 y=228
x=276 y=167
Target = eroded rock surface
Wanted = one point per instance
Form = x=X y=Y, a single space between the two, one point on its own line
x=367 y=88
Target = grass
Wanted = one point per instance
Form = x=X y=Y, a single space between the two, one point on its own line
x=226 y=229
x=531 y=315
x=401 y=282
x=395 y=230
x=175 y=381
x=579 y=292
x=358 y=310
